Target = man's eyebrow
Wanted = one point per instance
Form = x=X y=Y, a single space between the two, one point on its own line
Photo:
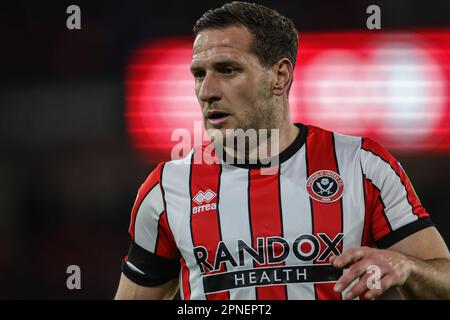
x=194 y=68
x=218 y=64
x=225 y=63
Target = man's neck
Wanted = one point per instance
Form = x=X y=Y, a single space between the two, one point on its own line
x=275 y=143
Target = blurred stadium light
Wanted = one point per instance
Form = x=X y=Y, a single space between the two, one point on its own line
x=393 y=87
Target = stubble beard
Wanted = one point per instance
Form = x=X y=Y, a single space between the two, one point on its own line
x=262 y=116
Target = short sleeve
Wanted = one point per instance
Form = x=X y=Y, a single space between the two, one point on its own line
x=153 y=257
x=395 y=209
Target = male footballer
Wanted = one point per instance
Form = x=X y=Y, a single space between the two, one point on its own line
x=337 y=218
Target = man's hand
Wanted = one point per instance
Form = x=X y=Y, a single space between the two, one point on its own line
x=419 y=265
x=395 y=268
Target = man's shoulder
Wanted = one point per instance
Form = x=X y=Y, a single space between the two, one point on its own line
x=185 y=159
x=340 y=140
x=172 y=168
x=203 y=154
x=351 y=143
x=172 y=164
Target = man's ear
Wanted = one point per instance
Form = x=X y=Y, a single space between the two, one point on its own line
x=283 y=71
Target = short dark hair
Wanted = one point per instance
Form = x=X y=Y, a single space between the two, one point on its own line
x=274 y=36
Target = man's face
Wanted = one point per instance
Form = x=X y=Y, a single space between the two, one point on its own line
x=233 y=88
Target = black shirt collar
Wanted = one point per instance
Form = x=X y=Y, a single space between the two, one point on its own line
x=283 y=156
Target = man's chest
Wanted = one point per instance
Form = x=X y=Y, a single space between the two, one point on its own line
x=246 y=219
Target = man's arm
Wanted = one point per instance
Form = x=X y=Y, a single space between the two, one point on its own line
x=419 y=265
x=128 y=290
x=430 y=265
x=151 y=268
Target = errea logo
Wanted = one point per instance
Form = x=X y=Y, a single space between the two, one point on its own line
x=204 y=197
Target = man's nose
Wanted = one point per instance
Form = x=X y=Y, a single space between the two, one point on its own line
x=210 y=89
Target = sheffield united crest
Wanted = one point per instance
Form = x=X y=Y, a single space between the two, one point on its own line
x=325 y=186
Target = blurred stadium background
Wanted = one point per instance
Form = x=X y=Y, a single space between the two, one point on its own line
x=85 y=115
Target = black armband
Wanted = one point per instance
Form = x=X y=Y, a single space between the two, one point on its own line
x=403 y=232
x=148 y=269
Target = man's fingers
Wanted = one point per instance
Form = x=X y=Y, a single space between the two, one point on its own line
x=386 y=283
x=348 y=257
x=365 y=283
x=358 y=289
x=355 y=271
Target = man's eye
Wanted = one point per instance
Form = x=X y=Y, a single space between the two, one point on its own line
x=227 y=70
x=199 y=74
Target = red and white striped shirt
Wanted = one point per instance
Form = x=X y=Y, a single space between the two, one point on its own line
x=230 y=232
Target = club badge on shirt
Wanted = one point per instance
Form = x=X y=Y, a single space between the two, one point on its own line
x=325 y=186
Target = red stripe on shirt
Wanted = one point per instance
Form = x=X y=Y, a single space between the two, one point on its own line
x=265 y=221
x=165 y=242
x=326 y=217
x=413 y=199
x=185 y=280
x=151 y=181
x=205 y=226
x=366 y=239
x=379 y=221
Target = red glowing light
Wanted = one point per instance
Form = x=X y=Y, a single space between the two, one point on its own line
x=393 y=87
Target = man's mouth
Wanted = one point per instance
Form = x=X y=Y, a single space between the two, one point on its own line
x=217 y=117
